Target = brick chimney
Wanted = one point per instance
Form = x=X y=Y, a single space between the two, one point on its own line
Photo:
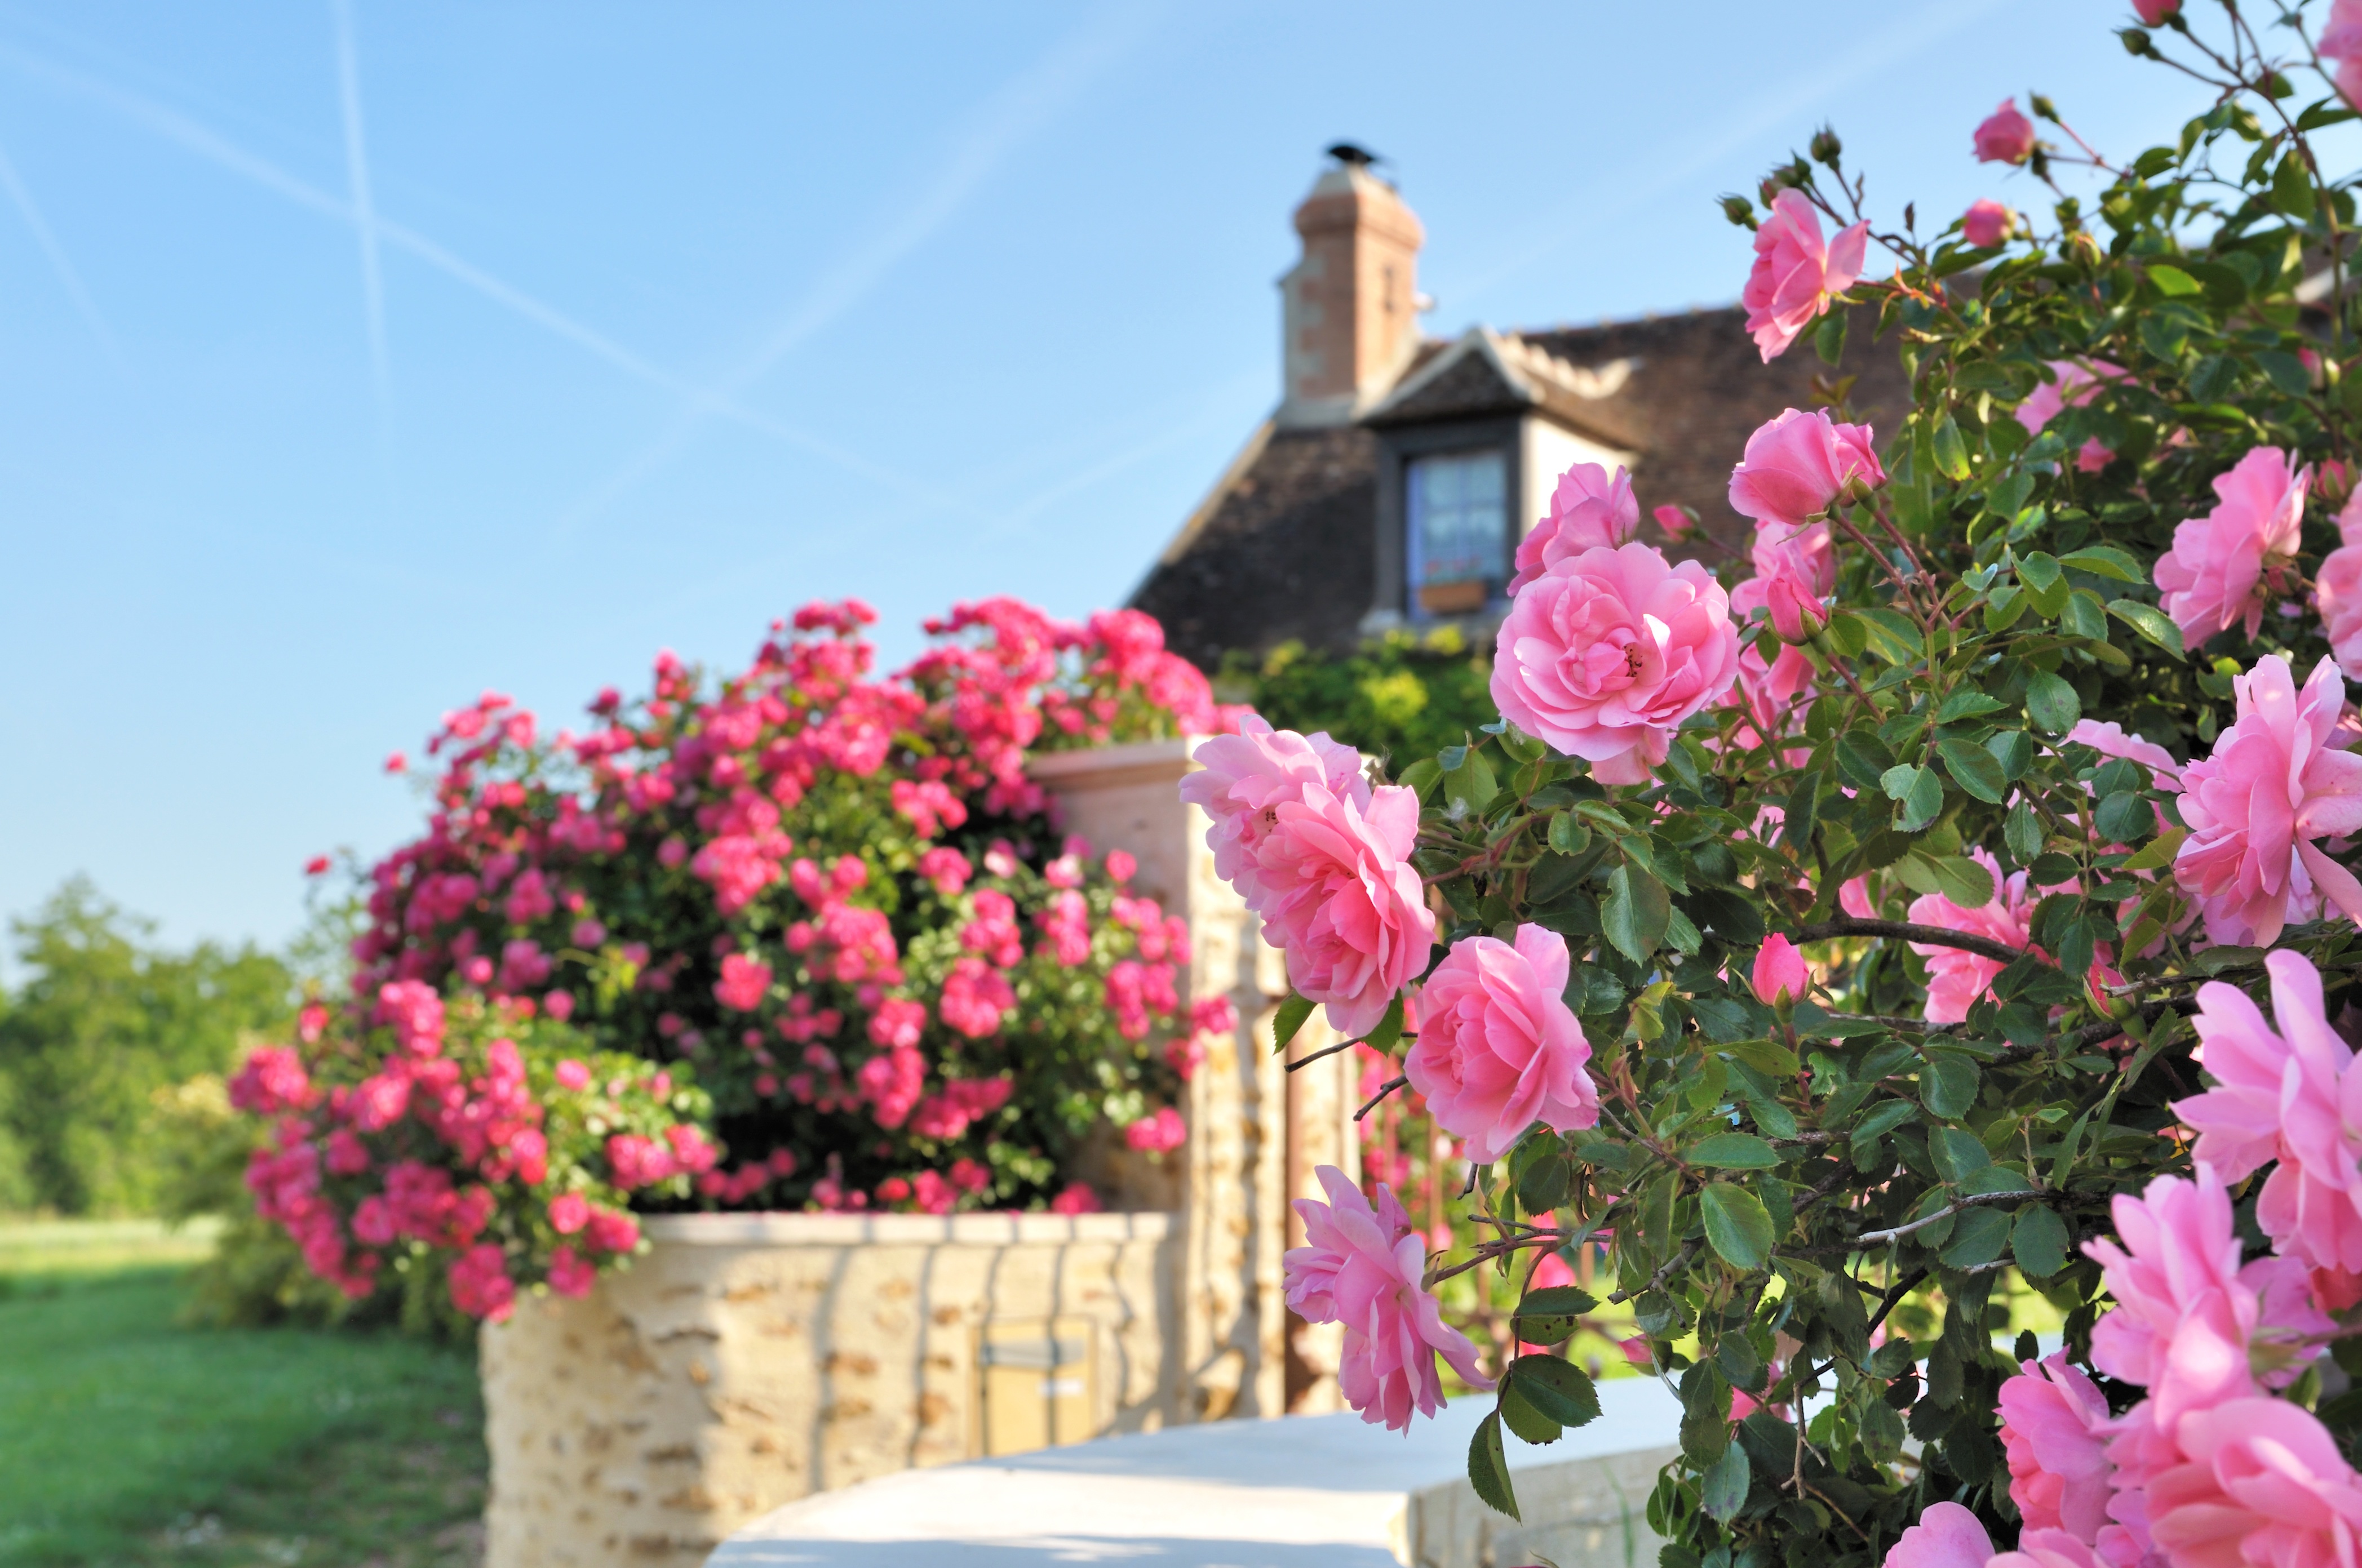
x=1348 y=310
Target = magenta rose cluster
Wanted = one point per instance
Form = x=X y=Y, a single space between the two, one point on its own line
x=834 y=902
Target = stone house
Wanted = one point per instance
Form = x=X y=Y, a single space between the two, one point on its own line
x=1389 y=486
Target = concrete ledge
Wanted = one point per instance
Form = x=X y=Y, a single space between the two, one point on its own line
x=1300 y=1492
x=1166 y=758
x=909 y=1230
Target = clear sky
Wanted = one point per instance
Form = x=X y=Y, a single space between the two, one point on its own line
x=355 y=357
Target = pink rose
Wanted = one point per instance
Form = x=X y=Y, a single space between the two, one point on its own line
x=1797 y=613
x=1498 y=1049
x=2110 y=741
x=744 y=980
x=2054 y=1428
x=1955 y=977
x=1589 y=510
x=2046 y=1549
x=2153 y=12
x=568 y=1213
x=1946 y=1536
x=1159 y=1134
x=2338 y=589
x=1340 y=899
x=2273 y=785
x=1796 y=468
x=1986 y=223
x=571 y=1275
x=1795 y=275
x=1678 y=521
x=2005 y=135
x=2341 y=40
x=1242 y=778
x=2190 y=1324
x=2290 y=1097
x=2265 y=1485
x=1779 y=974
x=1362 y=1267
x=2226 y=566
x=1775 y=695
x=2072 y=386
x=1604 y=655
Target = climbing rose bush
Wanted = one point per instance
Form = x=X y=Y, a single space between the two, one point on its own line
x=1955 y=880
x=801 y=936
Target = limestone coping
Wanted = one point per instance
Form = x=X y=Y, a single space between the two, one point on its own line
x=1170 y=758
x=908 y=1230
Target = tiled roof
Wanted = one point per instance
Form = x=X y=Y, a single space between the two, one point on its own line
x=1285 y=546
x=1287 y=550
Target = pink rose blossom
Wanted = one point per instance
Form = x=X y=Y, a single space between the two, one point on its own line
x=2223 y=568
x=1795 y=275
x=2047 y=1549
x=1796 y=467
x=947 y=869
x=1603 y=655
x=1946 y=1536
x=1159 y=1134
x=568 y=1213
x=2190 y=1324
x=1241 y=779
x=2110 y=741
x=2072 y=385
x=571 y=1273
x=2053 y=1427
x=1986 y=223
x=1077 y=1199
x=560 y=1005
x=1361 y=1267
x=1955 y=977
x=2289 y=1096
x=2153 y=12
x=744 y=980
x=1498 y=1049
x=1589 y=510
x=2341 y=40
x=1779 y=974
x=2265 y=1485
x=2004 y=136
x=1340 y=899
x=1797 y=613
x=2338 y=589
x=572 y=1074
x=2273 y=786
x=1678 y=521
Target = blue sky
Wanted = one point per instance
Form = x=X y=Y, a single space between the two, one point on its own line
x=355 y=357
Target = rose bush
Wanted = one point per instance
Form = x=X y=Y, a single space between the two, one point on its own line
x=800 y=938
x=1919 y=891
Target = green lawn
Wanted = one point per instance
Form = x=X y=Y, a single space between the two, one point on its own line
x=128 y=1439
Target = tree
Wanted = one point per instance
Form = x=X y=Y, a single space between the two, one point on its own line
x=103 y=1020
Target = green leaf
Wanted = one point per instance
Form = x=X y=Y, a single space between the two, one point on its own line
x=1979 y=1236
x=2125 y=817
x=1636 y=914
x=1967 y=703
x=1518 y=1414
x=2052 y=703
x=2171 y=281
x=2040 y=1241
x=1974 y=768
x=1828 y=342
x=1862 y=758
x=2160 y=852
x=1964 y=882
x=2021 y=831
x=2104 y=561
x=2150 y=622
x=1550 y=1314
x=1891 y=635
x=1422 y=777
x=1390 y=1028
x=2014 y=750
x=2291 y=190
x=1292 y=1013
x=2038 y=571
x=1956 y=1153
x=1470 y=787
x=1568 y=836
x=1951 y=455
x=1733 y=1151
x=1723 y=1488
x=1737 y=1226
x=1558 y=1389
x=1488 y=1468
x=1948 y=1086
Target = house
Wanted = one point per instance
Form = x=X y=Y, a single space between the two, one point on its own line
x=1390 y=486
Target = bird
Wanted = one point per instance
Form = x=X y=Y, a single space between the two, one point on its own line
x=1352 y=153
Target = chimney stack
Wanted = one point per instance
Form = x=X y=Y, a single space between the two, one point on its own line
x=1349 y=309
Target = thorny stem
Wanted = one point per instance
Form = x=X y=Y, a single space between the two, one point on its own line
x=1386 y=1089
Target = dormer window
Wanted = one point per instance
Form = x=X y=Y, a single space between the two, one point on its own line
x=1456 y=505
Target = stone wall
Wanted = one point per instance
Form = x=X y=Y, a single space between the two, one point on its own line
x=749 y=1360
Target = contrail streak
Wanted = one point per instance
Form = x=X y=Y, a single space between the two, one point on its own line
x=364 y=212
x=59 y=263
x=207 y=144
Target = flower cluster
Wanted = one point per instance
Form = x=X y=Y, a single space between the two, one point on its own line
x=1864 y=928
x=833 y=899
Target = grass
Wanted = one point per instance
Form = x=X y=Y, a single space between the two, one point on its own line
x=129 y=1438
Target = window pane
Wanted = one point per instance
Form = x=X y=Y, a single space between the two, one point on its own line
x=1458 y=530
